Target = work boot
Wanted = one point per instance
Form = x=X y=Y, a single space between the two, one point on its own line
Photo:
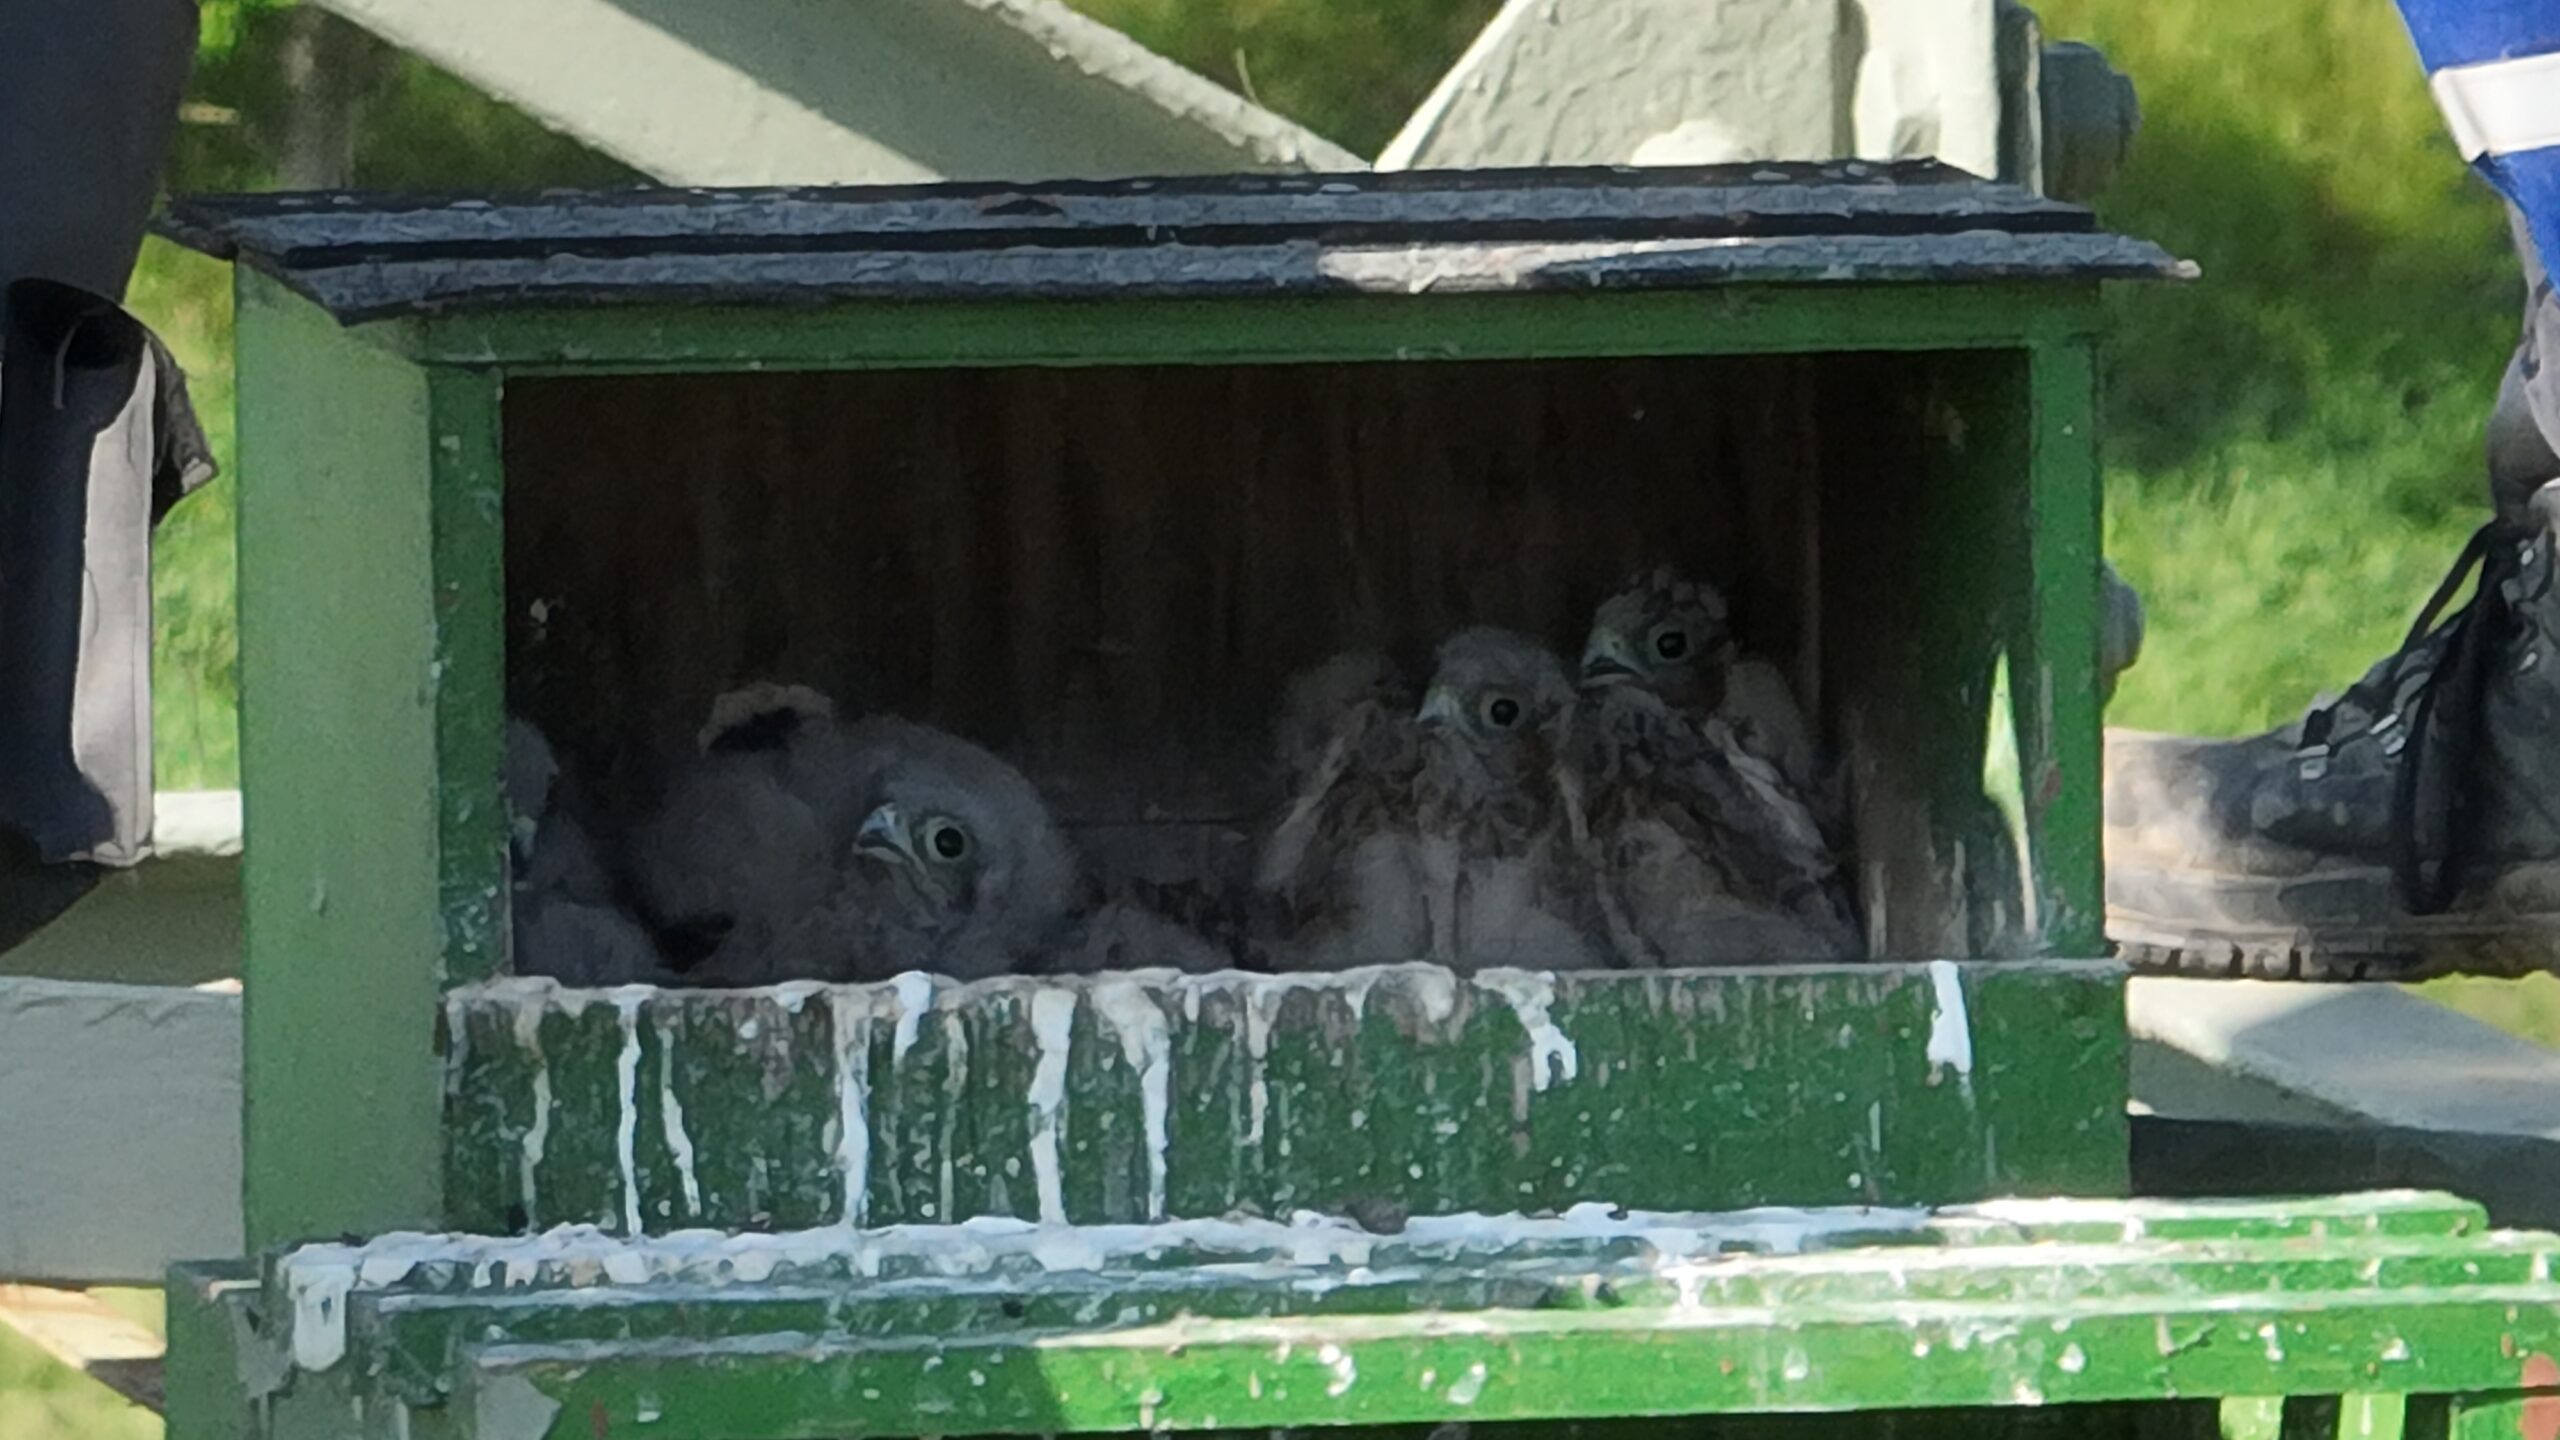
x=2409 y=827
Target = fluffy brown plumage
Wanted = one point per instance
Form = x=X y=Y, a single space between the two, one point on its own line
x=1705 y=850
x=1674 y=637
x=1341 y=867
x=1443 y=834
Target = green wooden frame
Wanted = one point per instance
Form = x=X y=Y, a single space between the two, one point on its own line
x=372 y=531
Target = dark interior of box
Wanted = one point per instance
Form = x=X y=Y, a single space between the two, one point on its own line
x=1108 y=574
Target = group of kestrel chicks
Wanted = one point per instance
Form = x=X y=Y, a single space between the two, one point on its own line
x=1665 y=807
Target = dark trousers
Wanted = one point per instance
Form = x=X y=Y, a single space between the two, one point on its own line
x=91 y=442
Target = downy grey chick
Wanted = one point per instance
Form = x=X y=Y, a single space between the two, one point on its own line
x=565 y=920
x=752 y=831
x=955 y=867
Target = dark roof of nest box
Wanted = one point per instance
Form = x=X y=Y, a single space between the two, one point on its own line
x=368 y=256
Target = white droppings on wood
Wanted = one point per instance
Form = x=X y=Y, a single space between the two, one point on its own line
x=671 y=1119
x=1146 y=1042
x=1345 y=1370
x=1686 y=1249
x=1260 y=1005
x=626 y=1074
x=849 y=1011
x=1468 y=1387
x=457 y=1043
x=318 y=1293
x=1053 y=1017
x=1950 y=1031
x=1552 y=1055
x=955 y=1085
x=537 y=1135
x=915 y=1001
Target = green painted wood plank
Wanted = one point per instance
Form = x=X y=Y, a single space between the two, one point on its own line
x=1207 y=1374
x=1734 y=321
x=415 y=1340
x=362 y=1333
x=466 y=474
x=202 y=1379
x=2055 y=678
x=340 y=768
x=1381 y=1091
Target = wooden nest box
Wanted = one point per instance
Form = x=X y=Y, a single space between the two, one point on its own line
x=1085 y=472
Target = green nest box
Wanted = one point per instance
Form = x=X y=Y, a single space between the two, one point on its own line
x=1084 y=472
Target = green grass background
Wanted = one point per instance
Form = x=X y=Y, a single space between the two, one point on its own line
x=2293 y=442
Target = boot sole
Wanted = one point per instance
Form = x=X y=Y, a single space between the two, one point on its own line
x=2320 y=935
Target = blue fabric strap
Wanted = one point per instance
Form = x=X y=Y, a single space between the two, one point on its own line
x=2494 y=66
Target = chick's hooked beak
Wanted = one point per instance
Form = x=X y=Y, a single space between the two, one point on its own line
x=1440 y=707
x=884 y=834
x=1608 y=660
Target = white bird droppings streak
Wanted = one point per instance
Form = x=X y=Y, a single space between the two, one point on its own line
x=915 y=1001
x=1346 y=1371
x=1146 y=1042
x=671 y=1119
x=457 y=1042
x=537 y=1135
x=1950 y=1032
x=1053 y=1017
x=850 y=1011
x=626 y=1133
x=1259 y=1006
x=1552 y=1055
x=319 y=1295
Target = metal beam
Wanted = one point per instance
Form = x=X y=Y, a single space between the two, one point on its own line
x=1655 y=82
x=90 y=1336
x=120 y=1135
x=752 y=92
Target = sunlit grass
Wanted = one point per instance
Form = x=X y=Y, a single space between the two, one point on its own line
x=43 y=1399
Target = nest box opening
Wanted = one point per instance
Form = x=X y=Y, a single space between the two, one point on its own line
x=1108 y=574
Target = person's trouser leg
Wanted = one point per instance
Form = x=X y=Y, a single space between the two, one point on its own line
x=89 y=94
x=91 y=440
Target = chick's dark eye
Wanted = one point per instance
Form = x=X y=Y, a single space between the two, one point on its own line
x=1502 y=712
x=947 y=840
x=1671 y=644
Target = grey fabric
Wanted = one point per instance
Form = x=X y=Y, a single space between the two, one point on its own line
x=2524 y=427
x=97 y=441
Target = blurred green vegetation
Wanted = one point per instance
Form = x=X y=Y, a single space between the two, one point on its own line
x=2294 y=441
